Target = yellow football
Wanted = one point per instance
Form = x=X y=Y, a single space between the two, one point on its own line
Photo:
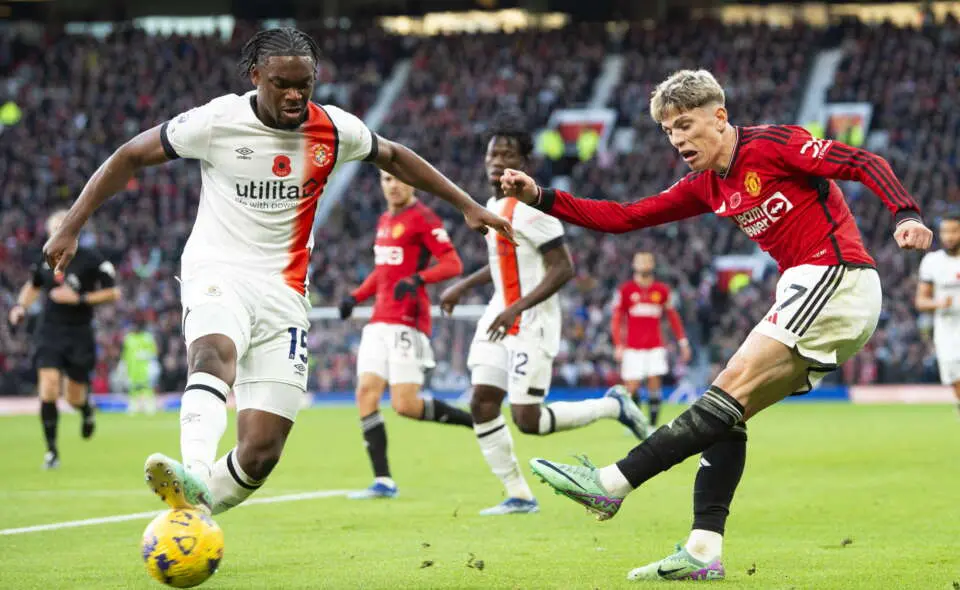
x=182 y=548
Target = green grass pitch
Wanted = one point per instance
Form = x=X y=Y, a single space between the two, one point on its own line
x=834 y=496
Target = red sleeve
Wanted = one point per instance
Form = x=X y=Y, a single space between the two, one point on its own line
x=801 y=152
x=448 y=266
x=437 y=241
x=616 y=320
x=368 y=287
x=680 y=201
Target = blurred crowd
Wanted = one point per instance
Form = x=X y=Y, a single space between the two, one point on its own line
x=81 y=97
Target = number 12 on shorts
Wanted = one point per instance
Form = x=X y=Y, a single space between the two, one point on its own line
x=518 y=362
x=293 y=344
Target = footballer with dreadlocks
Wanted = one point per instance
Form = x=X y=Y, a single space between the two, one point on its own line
x=265 y=158
x=518 y=335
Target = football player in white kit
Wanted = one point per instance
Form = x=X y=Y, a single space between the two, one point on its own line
x=938 y=291
x=265 y=158
x=519 y=334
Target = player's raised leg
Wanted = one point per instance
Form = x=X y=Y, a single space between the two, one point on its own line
x=261 y=436
x=761 y=373
x=370 y=388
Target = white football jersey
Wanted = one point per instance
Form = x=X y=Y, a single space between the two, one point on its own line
x=260 y=186
x=517 y=269
x=943 y=271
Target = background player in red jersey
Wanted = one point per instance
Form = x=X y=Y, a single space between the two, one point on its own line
x=775 y=182
x=639 y=304
x=395 y=345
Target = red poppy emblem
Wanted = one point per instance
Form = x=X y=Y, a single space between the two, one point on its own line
x=281 y=166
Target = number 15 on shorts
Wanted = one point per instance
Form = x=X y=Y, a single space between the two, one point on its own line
x=294 y=340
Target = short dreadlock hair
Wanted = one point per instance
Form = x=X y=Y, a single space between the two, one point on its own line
x=276 y=42
x=512 y=125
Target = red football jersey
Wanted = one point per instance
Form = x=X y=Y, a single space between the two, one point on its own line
x=641 y=309
x=777 y=190
x=404 y=245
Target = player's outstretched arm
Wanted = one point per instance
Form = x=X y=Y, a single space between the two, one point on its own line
x=27 y=296
x=827 y=158
x=452 y=294
x=676 y=203
x=404 y=164
x=559 y=265
x=110 y=178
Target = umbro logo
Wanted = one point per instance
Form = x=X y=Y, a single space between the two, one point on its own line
x=244 y=153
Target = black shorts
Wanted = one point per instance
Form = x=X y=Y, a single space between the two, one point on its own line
x=71 y=350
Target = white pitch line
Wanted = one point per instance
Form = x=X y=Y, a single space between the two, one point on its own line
x=142 y=515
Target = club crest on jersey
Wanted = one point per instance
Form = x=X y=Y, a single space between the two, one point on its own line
x=397 y=231
x=655 y=297
x=281 y=165
x=321 y=155
x=752 y=183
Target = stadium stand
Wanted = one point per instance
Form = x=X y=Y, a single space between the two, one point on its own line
x=77 y=107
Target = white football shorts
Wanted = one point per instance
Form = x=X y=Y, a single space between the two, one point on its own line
x=825 y=314
x=637 y=364
x=949 y=370
x=267 y=322
x=394 y=352
x=514 y=364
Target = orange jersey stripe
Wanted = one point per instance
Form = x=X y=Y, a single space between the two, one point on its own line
x=320 y=154
x=509 y=266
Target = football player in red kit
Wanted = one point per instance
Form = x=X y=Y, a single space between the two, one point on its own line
x=395 y=345
x=776 y=182
x=639 y=304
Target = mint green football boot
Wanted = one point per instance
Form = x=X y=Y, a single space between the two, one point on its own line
x=177 y=487
x=679 y=566
x=580 y=483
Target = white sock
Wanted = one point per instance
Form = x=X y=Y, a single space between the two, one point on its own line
x=496 y=444
x=387 y=481
x=704 y=545
x=568 y=415
x=613 y=480
x=229 y=484
x=203 y=420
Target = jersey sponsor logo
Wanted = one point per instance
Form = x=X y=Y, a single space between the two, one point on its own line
x=321 y=155
x=751 y=182
x=646 y=310
x=388 y=255
x=274 y=194
x=397 y=230
x=281 y=165
x=816 y=147
x=758 y=220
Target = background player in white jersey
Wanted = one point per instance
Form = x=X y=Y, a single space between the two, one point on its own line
x=519 y=334
x=265 y=159
x=939 y=291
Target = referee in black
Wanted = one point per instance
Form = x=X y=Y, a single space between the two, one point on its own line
x=64 y=339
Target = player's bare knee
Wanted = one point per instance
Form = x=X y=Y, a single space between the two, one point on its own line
x=213 y=356
x=527 y=418
x=408 y=406
x=485 y=404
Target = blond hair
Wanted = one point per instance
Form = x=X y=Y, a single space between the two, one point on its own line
x=683 y=91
